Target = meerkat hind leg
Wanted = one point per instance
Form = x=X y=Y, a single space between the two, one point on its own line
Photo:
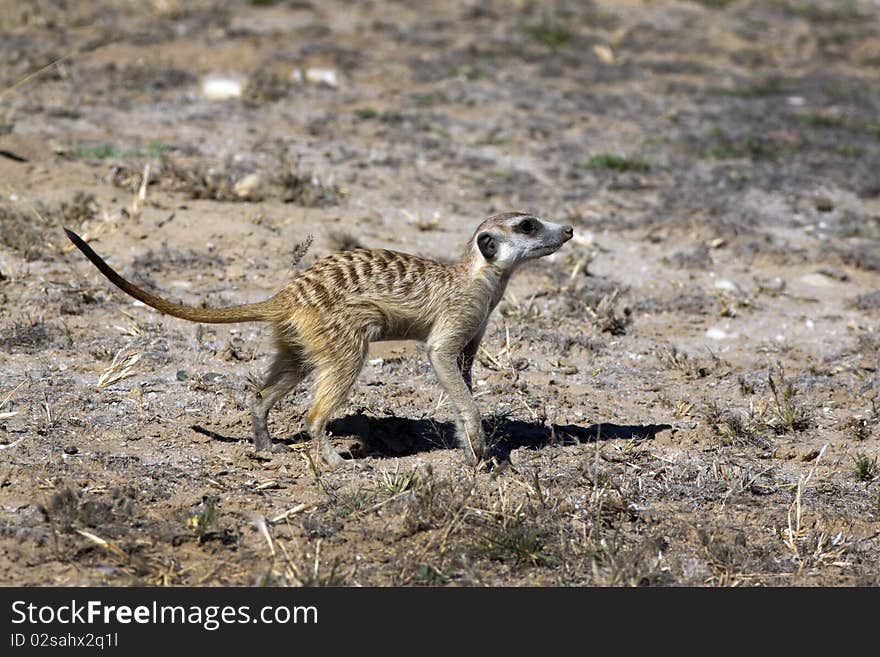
x=336 y=377
x=287 y=371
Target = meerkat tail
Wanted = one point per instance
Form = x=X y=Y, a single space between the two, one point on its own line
x=251 y=312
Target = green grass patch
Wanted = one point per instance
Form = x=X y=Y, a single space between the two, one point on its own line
x=722 y=146
x=429 y=99
x=397 y=482
x=475 y=74
x=612 y=162
x=822 y=120
x=428 y=575
x=501 y=174
x=366 y=113
x=726 y=149
x=103 y=151
x=763 y=85
x=516 y=541
x=865 y=467
x=846 y=92
x=871 y=127
x=371 y=114
x=549 y=34
x=714 y=4
x=828 y=121
x=849 y=150
x=202 y=522
x=787 y=413
x=841 y=12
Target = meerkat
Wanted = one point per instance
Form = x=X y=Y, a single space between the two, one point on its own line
x=325 y=319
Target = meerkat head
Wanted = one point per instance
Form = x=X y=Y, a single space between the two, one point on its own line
x=509 y=239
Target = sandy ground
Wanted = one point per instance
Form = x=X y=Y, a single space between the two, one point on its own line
x=684 y=395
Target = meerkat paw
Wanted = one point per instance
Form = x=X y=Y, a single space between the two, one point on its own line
x=262 y=443
x=269 y=447
x=330 y=456
x=473 y=443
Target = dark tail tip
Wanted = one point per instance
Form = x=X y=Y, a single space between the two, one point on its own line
x=73 y=237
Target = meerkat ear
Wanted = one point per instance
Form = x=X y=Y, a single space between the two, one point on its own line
x=488 y=245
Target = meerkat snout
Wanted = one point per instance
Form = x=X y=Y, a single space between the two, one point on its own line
x=325 y=319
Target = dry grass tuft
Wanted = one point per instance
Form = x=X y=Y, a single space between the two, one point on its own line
x=300 y=249
x=692 y=366
x=8 y=414
x=606 y=317
x=786 y=413
x=307 y=190
x=121 y=368
x=865 y=467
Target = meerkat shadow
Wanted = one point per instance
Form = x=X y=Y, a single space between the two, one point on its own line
x=365 y=435
x=399 y=436
x=506 y=435
x=359 y=435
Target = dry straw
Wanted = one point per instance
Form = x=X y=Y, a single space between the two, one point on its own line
x=121 y=368
x=8 y=414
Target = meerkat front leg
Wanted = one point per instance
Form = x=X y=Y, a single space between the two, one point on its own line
x=467 y=355
x=444 y=359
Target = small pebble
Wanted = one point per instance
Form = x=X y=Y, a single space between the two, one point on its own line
x=604 y=53
x=249 y=187
x=717 y=334
x=727 y=285
x=325 y=77
x=823 y=204
x=221 y=88
x=816 y=280
x=71 y=449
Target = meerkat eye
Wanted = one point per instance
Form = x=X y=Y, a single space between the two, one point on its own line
x=527 y=226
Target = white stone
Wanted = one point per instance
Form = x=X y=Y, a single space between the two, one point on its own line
x=726 y=285
x=322 y=76
x=716 y=333
x=249 y=187
x=219 y=87
x=817 y=280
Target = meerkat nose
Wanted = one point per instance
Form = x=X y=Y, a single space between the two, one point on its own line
x=568 y=232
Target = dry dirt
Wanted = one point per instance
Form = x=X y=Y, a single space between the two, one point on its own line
x=684 y=395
